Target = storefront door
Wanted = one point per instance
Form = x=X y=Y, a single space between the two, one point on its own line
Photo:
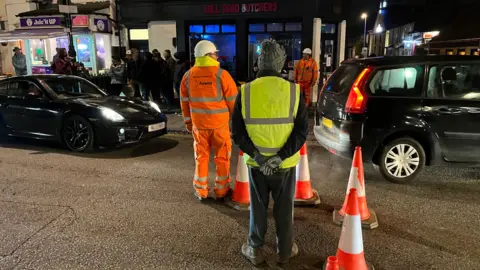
x=328 y=51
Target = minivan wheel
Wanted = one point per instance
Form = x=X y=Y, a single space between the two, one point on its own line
x=402 y=160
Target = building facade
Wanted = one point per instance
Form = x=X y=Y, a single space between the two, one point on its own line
x=238 y=28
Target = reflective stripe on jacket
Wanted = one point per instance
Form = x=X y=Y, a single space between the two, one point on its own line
x=207 y=95
x=269 y=108
x=306 y=71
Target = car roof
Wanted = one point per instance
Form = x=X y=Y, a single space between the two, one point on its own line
x=397 y=60
x=38 y=77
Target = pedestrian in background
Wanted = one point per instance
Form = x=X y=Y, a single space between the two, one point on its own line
x=133 y=69
x=148 y=76
x=270 y=125
x=19 y=62
x=63 y=65
x=82 y=71
x=306 y=74
x=181 y=67
x=207 y=95
x=118 y=75
x=168 y=89
x=161 y=78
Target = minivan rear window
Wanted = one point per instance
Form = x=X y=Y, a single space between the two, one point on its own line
x=342 y=79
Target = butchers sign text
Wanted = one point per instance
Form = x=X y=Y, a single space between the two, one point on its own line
x=240 y=8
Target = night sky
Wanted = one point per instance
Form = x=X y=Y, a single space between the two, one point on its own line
x=354 y=22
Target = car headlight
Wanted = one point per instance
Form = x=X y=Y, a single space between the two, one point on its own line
x=155 y=106
x=111 y=115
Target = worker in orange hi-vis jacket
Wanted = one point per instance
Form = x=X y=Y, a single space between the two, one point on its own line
x=306 y=74
x=207 y=95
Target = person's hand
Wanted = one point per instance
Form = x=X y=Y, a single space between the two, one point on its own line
x=189 y=128
x=255 y=69
x=271 y=166
x=260 y=159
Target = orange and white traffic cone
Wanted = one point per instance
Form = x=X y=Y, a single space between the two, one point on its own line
x=356 y=180
x=331 y=264
x=240 y=199
x=350 y=253
x=304 y=193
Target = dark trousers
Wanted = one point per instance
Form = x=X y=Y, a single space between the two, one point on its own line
x=167 y=92
x=282 y=187
x=115 y=89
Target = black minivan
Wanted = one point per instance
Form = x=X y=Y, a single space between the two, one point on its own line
x=405 y=112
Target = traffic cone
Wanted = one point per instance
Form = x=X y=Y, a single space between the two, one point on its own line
x=356 y=180
x=304 y=194
x=350 y=253
x=331 y=264
x=240 y=199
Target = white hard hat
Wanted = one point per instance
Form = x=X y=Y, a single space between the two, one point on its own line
x=129 y=52
x=205 y=47
x=307 y=51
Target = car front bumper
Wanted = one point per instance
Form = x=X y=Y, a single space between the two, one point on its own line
x=125 y=134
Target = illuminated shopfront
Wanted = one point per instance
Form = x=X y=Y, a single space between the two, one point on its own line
x=43 y=34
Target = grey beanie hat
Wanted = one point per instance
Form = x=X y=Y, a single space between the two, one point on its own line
x=272 y=56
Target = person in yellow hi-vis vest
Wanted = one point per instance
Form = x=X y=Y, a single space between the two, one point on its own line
x=270 y=125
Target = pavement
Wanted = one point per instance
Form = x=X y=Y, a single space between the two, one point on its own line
x=134 y=208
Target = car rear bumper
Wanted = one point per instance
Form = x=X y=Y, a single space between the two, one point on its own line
x=126 y=134
x=341 y=139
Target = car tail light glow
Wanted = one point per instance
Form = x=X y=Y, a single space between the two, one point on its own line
x=357 y=98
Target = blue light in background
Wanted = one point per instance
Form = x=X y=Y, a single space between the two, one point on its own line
x=214 y=28
x=229 y=28
x=258 y=49
x=196 y=28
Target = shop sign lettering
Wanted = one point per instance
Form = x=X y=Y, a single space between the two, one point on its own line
x=240 y=8
x=39 y=22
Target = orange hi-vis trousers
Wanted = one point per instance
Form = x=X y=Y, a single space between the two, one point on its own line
x=204 y=141
x=306 y=89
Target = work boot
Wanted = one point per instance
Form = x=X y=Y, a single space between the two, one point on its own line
x=293 y=254
x=221 y=198
x=200 y=198
x=254 y=255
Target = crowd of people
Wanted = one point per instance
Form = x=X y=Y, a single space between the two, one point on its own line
x=153 y=78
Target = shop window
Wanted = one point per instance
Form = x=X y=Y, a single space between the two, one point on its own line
x=196 y=28
x=229 y=28
x=449 y=52
x=138 y=34
x=293 y=27
x=83 y=49
x=328 y=28
x=461 y=52
x=37 y=51
x=474 y=52
x=275 y=27
x=213 y=29
x=259 y=27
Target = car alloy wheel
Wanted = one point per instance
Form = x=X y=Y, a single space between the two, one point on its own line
x=402 y=160
x=78 y=134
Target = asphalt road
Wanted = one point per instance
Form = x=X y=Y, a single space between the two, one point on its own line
x=134 y=208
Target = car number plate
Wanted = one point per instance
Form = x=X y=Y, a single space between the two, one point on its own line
x=156 y=127
x=327 y=122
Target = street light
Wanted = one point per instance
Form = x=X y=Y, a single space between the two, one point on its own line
x=364 y=17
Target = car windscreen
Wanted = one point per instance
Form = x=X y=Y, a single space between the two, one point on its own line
x=68 y=86
x=342 y=79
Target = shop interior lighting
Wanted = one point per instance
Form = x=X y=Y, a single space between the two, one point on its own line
x=138 y=34
x=379 y=29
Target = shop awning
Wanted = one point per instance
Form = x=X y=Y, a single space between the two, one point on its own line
x=19 y=34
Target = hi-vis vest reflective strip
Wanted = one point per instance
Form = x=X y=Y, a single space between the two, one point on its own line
x=219 y=97
x=269 y=127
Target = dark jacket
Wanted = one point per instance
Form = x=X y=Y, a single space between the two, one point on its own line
x=294 y=142
x=151 y=73
x=118 y=74
x=181 y=67
x=171 y=67
x=133 y=68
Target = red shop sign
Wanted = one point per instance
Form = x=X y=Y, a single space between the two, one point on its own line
x=240 y=8
x=80 y=20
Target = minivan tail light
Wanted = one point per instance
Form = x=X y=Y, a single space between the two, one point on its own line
x=357 y=98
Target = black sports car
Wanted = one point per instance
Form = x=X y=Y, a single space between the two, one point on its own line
x=76 y=112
